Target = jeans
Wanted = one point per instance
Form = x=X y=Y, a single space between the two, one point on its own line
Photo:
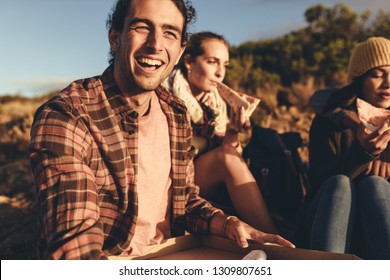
x=337 y=207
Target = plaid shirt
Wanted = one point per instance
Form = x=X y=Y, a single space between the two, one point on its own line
x=83 y=152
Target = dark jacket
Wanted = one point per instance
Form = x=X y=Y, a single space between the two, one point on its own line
x=334 y=150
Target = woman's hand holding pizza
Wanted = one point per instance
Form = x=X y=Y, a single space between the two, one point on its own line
x=238 y=122
x=374 y=142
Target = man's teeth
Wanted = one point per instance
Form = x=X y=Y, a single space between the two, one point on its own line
x=151 y=62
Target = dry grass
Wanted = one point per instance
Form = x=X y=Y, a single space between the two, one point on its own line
x=16 y=109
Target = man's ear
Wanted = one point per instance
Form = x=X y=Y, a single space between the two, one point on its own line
x=181 y=53
x=114 y=39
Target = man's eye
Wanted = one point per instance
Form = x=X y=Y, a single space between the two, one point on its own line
x=171 y=35
x=141 y=29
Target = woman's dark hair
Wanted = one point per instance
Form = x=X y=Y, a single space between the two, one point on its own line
x=346 y=96
x=195 y=48
x=119 y=11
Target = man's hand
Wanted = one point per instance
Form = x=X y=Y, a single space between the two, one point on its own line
x=242 y=232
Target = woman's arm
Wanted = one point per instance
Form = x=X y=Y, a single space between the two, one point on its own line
x=333 y=152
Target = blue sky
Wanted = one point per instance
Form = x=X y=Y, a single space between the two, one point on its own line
x=46 y=44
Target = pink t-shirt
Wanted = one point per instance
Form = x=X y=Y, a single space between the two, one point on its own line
x=154 y=180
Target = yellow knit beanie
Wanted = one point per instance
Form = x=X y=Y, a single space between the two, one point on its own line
x=373 y=52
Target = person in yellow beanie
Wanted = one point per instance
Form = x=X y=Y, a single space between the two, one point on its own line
x=348 y=205
x=367 y=55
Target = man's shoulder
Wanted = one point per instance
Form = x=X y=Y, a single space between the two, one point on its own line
x=79 y=93
x=82 y=91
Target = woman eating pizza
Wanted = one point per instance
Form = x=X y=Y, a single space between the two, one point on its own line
x=220 y=170
x=348 y=205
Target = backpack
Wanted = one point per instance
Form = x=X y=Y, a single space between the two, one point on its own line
x=275 y=163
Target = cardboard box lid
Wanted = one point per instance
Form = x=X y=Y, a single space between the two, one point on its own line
x=191 y=247
x=276 y=252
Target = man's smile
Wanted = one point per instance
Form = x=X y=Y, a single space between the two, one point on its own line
x=149 y=63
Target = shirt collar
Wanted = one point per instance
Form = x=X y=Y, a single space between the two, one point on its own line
x=119 y=103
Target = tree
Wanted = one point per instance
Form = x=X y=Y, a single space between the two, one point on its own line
x=337 y=22
x=381 y=25
x=333 y=33
x=319 y=51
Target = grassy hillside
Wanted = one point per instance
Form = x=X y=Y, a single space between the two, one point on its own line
x=18 y=212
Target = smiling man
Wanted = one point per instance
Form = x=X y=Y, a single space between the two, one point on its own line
x=112 y=155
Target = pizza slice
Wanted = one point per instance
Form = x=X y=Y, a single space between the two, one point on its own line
x=371 y=117
x=234 y=99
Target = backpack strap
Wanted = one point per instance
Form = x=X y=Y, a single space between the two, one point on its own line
x=293 y=166
x=287 y=153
